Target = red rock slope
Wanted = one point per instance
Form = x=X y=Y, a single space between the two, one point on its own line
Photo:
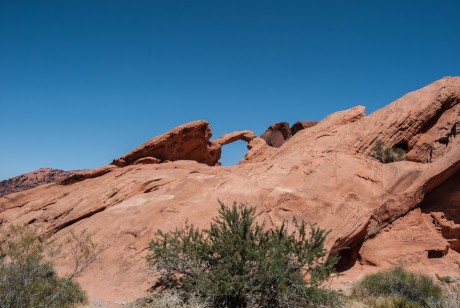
x=379 y=214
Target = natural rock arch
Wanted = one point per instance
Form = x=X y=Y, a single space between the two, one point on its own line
x=190 y=141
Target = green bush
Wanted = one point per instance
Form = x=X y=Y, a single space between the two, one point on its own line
x=35 y=284
x=26 y=280
x=387 y=155
x=238 y=263
x=404 y=289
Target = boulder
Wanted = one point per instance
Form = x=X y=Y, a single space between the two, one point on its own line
x=277 y=134
x=299 y=125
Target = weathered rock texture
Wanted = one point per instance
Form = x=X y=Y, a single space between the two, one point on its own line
x=380 y=215
x=32 y=179
x=299 y=125
x=277 y=134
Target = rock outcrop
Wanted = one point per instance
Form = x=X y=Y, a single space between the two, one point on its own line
x=186 y=142
x=299 y=125
x=277 y=134
x=404 y=213
x=33 y=179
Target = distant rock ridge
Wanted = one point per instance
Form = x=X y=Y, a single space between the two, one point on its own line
x=32 y=179
x=404 y=213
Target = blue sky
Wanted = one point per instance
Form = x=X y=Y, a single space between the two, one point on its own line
x=83 y=82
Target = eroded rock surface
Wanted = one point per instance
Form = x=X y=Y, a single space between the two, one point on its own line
x=379 y=214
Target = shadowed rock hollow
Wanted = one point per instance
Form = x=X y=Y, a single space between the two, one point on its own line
x=380 y=215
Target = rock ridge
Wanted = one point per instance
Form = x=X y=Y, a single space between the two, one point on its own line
x=32 y=179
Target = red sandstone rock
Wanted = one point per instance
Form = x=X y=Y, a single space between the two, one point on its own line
x=299 y=125
x=403 y=213
x=277 y=134
x=186 y=142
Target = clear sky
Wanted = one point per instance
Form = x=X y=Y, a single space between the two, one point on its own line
x=83 y=82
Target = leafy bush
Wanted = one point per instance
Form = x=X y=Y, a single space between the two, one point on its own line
x=35 y=284
x=26 y=280
x=387 y=155
x=237 y=262
x=401 y=288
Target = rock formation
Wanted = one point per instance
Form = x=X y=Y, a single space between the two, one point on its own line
x=277 y=134
x=32 y=179
x=186 y=142
x=299 y=125
x=380 y=215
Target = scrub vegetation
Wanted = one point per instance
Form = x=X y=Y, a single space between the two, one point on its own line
x=240 y=263
x=27 y=279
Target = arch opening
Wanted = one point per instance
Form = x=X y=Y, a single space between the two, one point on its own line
x=233 y=153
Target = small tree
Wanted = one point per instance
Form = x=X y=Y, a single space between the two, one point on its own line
x=27 y=280
x=237 y=262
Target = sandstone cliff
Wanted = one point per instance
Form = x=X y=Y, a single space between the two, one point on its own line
x=380 y=215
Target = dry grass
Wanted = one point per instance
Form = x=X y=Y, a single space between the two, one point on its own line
x=168 y=299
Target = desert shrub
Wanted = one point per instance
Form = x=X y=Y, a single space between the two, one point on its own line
x=170 y=299
x=451 y=294
x=82 y=250
x=238 y=263
x=35 y=284
x=387 y=155
x=374 y=231
x=445 y=279
x=377 y=150
x=398 y=288
x=27 y=280
x=393 y=154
